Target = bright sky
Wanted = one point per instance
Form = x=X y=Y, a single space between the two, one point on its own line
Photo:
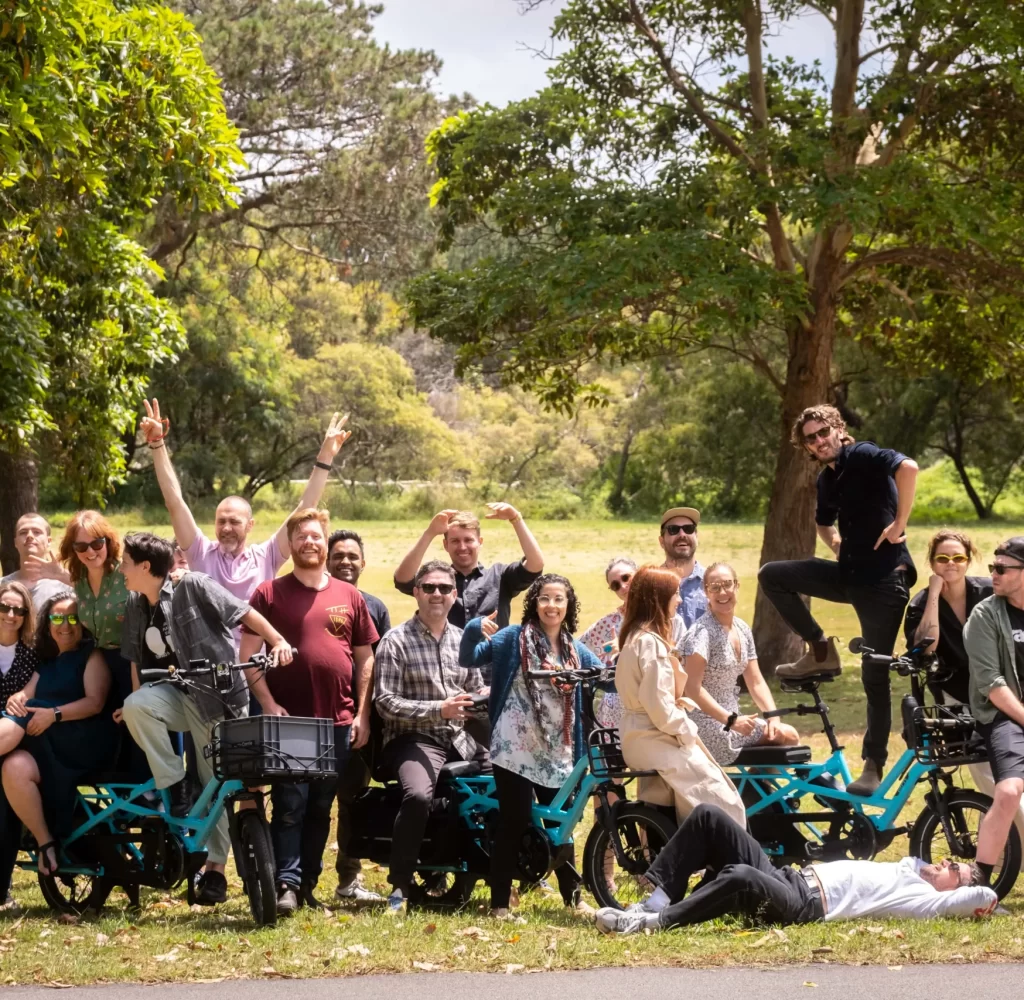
x=485 y=43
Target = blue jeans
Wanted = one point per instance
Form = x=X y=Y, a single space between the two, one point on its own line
x=301 y=821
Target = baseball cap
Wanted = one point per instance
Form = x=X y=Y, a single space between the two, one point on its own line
x=1012 y=547
x=694 y=515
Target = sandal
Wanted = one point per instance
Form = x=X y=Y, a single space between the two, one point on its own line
x=47 y=851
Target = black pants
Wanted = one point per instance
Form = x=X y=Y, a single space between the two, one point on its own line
x=515 y=806
x=739 y=878
x=10 y=841
x=417 y=763
x=879 y=608
x=351 y=782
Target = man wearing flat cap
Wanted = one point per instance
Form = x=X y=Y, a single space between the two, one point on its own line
x=678 y=540
x=994 y=639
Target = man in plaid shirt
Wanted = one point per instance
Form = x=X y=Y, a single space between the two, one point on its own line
x=422 y=694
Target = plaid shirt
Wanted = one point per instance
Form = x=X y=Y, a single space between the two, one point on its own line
x=414 y=674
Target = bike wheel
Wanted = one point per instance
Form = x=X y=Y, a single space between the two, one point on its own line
x=441 y=889
x=928 y=841
x=258 y=865
x=67 y=893
x=643 y=832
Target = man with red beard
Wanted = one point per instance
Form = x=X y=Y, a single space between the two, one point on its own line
x=328 y=624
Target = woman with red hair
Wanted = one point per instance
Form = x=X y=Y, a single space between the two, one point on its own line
x=657 y=734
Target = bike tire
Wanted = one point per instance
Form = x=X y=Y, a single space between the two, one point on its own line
x=68 y=893
x=963 y=805
x=258 y=864
x=443 y=890
x=643 y=832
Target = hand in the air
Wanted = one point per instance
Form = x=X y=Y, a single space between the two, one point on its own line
x=489 y=626
x=439 y=522
x=154 y=427
x=502 y=512
x=335 y=437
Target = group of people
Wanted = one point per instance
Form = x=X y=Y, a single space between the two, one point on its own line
x=115 y=613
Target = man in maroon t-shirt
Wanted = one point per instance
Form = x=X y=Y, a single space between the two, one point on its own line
x=328 y=624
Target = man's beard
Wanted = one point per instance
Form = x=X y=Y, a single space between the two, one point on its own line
x=309 y=560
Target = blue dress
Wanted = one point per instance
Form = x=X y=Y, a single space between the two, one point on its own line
x=67 y=751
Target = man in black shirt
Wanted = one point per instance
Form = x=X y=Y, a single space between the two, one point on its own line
x=346 y=560
x=870 y=491
x=481 y=590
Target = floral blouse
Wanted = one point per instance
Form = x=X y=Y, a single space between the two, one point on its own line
x=20 y=673
x=520 y=746
x=103 y=615
x=602 y=634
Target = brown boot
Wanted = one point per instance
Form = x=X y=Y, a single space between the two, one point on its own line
x=869 y=780
x=822 y=657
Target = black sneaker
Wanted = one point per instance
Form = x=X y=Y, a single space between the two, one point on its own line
x=212 y=888
x=287 y=900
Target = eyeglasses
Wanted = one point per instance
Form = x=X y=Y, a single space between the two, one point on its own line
x=957 y=868
x=674 y=529
x=441 y=588
x=96 y=544
x=819 y=435
x=558 y=602
x=998 y=569
x=10 y=609
x=725 y=587
x=959 y=559
x=617 y=585
x=60 y=619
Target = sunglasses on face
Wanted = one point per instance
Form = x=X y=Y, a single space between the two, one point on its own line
x=958 y=560
x=444 y=589
x=60 y=619
x=617 y=585
x=674 y=529
x=10 y=609
x=998 y=570
x=96 y=544
x=725 y=587
x=819 y=435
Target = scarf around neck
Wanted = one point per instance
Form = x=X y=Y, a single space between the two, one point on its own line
x=535 y=654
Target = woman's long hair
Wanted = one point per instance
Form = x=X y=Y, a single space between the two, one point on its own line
x=572 y=609
x=27 y=632
x=99 y=527
x=647 y=605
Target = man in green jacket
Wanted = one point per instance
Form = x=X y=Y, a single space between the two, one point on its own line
x=994 y=638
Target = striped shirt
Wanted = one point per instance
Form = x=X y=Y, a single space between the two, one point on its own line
x=414 y=674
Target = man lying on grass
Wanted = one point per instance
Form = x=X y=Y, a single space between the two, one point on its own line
x=739 y=879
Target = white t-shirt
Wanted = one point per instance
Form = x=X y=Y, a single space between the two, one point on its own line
x=7 y=657
x=894 y=889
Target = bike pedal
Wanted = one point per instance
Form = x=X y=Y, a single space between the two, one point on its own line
x=814 y=851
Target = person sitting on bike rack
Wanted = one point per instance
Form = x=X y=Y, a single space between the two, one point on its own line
x=994 y=640
x=422 y=693
x=536 y=726
x=940 y=611
x=740 y=880
x=657 y=733
x=870 y=490
x=62 y=726
x=329 y=628
x=171 y=625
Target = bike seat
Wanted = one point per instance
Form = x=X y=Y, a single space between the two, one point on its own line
x=462 y=769
x=773 y=755
x=808 y=684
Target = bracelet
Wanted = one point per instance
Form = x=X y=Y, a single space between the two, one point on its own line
x=321 y=465
x=516 y=519
x=157 y=447
x=730 y=722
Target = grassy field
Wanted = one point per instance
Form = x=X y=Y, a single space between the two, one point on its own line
x=166 y=942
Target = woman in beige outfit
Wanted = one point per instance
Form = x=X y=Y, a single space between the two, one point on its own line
x=657 y=734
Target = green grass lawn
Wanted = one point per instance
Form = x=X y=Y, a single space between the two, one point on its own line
x=166 y=942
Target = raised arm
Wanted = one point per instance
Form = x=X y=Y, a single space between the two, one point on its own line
x=475 y=649
x=154 y=429
x=335 y=437
x=413 y=559
x=533 y=558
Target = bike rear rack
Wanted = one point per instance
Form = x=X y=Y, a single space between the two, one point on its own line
x=606 y=760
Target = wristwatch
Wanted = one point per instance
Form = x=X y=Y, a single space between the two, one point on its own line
x=730 y=721
x=57 y=714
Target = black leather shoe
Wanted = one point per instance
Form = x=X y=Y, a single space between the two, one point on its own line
x=212 y=888
x=306 y=897
x=180 y=794
x=287 y=900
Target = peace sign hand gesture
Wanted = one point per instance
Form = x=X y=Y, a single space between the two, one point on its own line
x=154 y=427
x=335 y=437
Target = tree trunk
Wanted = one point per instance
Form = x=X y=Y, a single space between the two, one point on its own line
x=617 y=499
x=19 y=494
x=789 y=531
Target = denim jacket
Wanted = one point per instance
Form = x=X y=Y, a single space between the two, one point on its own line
x=200 y=615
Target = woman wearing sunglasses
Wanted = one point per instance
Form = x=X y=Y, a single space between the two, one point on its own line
x=602 y=638
x=55 y=730
x=17 y=665
x=536 y=726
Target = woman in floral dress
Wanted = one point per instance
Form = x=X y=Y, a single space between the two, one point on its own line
x=536 y=726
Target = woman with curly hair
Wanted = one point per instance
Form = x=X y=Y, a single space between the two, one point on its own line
x=536 y=725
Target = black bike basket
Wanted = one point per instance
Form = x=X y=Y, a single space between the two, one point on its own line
x=273 y=747
x=606 y=760
x=945 y=735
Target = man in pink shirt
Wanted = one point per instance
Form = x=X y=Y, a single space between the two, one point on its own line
x=230 y=560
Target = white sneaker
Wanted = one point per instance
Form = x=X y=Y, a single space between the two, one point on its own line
x=356 y=893
x=612 y=921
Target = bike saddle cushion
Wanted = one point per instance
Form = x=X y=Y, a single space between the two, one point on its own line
x=774 y=755
x=462 y=769
x=808 y=683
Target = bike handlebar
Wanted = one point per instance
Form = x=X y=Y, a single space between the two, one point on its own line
x=573 y=676
x=203 y=668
